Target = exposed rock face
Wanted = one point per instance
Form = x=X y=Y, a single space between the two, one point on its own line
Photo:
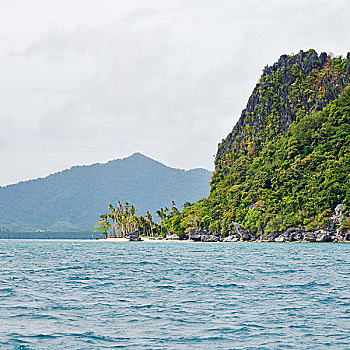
x=324 y=238
x=243 y=236
x=331 y=233
x=203 y=236
x=281 y=80
x=210 y=238
x=338 y=213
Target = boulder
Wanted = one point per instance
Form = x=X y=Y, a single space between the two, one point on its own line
x=244 y=236
x=281 y=238
x=238 y=228
x=133 y=236
x=270 y=237
x=298 y=236
x=172 y=237
x=203 y=235
x=310 y=237
x=231 y=238
x=210 y=238
x=338 y=209
x=196 y=237
x=324 y=238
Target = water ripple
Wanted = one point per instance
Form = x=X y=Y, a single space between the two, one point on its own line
x=88 y=295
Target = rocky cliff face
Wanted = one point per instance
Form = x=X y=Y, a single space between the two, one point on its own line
x=284 y=168
x=292 y=87
x=332 y=232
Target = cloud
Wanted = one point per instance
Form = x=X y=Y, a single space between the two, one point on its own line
x=142 y=94
x=168 y=80
x=6 y=129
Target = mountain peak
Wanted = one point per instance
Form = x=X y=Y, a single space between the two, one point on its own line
x=76 y=197
x=293 y=86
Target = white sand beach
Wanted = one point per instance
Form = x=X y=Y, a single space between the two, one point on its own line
x=123 y=239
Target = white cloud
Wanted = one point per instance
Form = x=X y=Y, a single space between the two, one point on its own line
x=168 y=80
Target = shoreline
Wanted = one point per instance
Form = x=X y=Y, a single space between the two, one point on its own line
x=123 y=239
x=147 y=239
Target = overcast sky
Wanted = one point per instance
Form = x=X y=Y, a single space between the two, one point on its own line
x=85 y=81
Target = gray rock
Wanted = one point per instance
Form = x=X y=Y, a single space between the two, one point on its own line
x=210 y=238
x=195 y=237
x=231 y=239
x=238 y=228
x=133 y=236
x=269 y=237
x=244 y=236
x=281 y=238
x=310 y=237
x=173 y=236
x=324 y=238
x=338 y=209
x=347 y=236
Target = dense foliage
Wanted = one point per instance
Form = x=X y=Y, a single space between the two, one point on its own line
x=120 y=221
x=281 y=168
x=73 y=199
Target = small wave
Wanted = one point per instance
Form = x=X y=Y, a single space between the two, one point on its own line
x=66 y=268
x=166 y=287
x=146 y=306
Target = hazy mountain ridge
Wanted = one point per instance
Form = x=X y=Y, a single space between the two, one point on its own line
x=73 y=199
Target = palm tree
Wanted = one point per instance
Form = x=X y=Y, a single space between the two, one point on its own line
x=132 y=217
x=161 y=214
x=112 y=217
x=121 y=218
x=149 y=218
x=166 y=209
x=103 y=225
x=186 y=205
x=174 y=210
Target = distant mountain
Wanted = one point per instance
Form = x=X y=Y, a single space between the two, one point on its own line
x=73 y=199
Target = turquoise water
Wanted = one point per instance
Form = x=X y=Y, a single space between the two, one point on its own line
x=173 y=295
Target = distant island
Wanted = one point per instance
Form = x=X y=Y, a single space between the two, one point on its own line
x=283 y=172
x=72 y=200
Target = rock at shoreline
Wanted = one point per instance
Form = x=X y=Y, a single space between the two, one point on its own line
x=133 y=236
x=324 y=238
x=172 y=237
x=331 y=233
x=203 y=236
x=210 y=238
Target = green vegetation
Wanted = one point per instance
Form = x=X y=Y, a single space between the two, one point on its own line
x=71 y=200
x=287 y=161
x=122 y=220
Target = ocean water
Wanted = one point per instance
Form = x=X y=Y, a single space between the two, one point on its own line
x=173 y=295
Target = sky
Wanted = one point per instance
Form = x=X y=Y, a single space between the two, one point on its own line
x=87 y=81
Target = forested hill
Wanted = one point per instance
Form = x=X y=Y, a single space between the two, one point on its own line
x=286 y=163
x=73 y=199
x=293 y=86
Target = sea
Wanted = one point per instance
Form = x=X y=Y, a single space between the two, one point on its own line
x=89 y=294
